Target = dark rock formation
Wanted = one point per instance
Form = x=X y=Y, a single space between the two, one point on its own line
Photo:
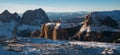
x=35 y=33
x=62 y=31
x=32 y=20
x=34 y=17
x=100 y=26
x=116 y=41
x=24 y=33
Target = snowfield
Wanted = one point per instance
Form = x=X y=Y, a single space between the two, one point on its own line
x=41 y=46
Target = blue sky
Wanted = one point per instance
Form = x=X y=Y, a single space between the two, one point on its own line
x=21 y=6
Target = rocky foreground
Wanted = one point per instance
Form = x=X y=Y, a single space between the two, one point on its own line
x=39 y=46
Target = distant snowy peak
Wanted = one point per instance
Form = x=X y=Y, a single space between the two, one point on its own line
x=34 y=17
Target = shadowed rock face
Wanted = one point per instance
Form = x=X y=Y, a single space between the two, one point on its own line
x=62 y=31
x=100 y=26
x=34 y=17
x=32 y=20
x=35 y=33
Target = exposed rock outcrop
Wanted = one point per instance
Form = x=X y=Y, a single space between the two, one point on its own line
x=35 y=33
x=100 y=26
x=62 y=31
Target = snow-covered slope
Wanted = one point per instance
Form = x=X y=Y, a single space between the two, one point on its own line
x=38 y=46
x=101 y=26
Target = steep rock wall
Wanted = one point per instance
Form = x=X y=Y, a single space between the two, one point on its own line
x=62 y=31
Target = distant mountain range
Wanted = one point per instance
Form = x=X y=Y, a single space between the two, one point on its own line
x=101 y=26
x=64 y=15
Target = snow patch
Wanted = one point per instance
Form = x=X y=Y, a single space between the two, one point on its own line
x=63 y=25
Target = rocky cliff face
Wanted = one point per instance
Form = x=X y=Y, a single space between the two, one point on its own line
x=34 y=17
x=31 y=21
x=100 y=26
x=8 y=21
x=62 y=31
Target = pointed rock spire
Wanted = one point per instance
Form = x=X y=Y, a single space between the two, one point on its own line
x=6 y=12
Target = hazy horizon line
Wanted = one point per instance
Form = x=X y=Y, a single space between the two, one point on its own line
x=60 y=11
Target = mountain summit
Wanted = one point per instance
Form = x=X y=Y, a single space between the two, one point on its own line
x=100 y=26
x=34 y=17
x=31 y=21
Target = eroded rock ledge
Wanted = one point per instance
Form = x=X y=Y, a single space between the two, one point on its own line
x=62 y=31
